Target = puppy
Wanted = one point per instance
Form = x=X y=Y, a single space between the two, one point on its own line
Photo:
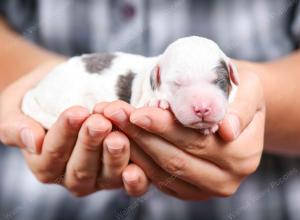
x=193 y=78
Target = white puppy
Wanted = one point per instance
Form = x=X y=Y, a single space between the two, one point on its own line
x=193 y=78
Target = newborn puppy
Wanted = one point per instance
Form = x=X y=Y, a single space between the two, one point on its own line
x=193 y=78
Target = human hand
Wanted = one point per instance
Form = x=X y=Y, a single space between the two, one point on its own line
x=79 y=151
x=182 y=162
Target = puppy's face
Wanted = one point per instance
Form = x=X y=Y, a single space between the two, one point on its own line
x=197 y=88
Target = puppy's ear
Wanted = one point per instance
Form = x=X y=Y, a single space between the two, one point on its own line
x=155 y=79
x=233 y=72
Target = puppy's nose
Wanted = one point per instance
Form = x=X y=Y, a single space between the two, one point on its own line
x=202 y=110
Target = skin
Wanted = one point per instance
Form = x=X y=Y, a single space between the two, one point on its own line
x=158 y=150
x=67 y=154
x=199 y=166
x=280 y=83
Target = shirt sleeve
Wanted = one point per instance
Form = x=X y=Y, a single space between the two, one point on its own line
x=296 y=24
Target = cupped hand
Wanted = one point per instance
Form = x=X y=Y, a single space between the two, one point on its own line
x=184 y=163
x=79 y=152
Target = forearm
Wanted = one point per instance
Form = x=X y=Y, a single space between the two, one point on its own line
x=18 y=56
x=280 y=79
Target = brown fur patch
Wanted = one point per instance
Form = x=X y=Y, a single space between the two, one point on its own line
x=95 y=63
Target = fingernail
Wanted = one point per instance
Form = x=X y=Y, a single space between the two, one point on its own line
x=118 y=116
x=96 y=132
x=114 y=149
x=130 y=178
x=143 y=122
x=75 y=120
x=27 y=138
x=234 y=123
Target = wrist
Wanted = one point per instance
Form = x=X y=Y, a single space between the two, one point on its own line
x=19 y=87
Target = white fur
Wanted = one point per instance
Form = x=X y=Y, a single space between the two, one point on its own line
x=69 y=84
x=187 y=60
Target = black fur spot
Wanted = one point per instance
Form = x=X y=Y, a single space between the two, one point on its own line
x=124 y=86
x=95 y=63
x=152 y=83
x=223 y=80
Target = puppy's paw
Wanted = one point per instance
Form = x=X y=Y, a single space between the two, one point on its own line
x=159 y=103
x=211 y=130
x=214 y=128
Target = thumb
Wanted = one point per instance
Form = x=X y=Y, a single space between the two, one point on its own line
x=21 y=131
x=248 y=101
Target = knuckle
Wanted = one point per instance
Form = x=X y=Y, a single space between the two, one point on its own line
x=58 y=155
x=90 y=145
x=227 y=191
x=247 y=167
x=196 y=147
x=176 y=165
x=81 y=183
x=83 y=175
x=44 y=178
x=46 y=174
x=77 y=190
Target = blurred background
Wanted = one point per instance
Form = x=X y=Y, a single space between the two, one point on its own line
x=257 y=30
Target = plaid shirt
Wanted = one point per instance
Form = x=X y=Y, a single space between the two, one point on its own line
x=255 y=30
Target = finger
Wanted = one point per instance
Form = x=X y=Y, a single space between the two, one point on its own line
x=205 y=147
x=249 y=99
x=135 y=180
x=162 y=123
x=58 y=145
x=173 y=160
x=99 y=107
x=239 y=160
x=165 y=182
x=115 y=158
x=84 y=163
x=20 y=130
x=16 y=129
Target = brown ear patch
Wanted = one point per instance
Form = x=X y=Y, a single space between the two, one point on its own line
x=96 y=63
x=124 y=86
